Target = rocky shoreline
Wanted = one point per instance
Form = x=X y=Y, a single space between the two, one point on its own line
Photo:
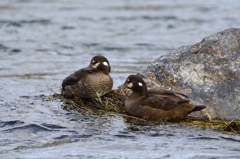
x=208 y=72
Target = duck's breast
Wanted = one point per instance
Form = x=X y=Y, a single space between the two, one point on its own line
x=97 y=84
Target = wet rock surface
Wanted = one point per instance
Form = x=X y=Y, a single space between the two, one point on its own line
x=208 y=72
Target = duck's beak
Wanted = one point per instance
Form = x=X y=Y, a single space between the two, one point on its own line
x=123 y=86
x=89 y=67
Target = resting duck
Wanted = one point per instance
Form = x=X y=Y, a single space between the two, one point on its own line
x=156 y=104
x=90 y=82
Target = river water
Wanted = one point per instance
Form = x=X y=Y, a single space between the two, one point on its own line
x=42 y=42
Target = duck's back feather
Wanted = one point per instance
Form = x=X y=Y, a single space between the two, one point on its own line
x=165 y=102
x=75 y=77
x=166 y=92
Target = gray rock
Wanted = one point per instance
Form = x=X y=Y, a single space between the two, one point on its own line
x=208 y=72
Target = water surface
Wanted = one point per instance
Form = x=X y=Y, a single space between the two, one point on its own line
x=41 y=42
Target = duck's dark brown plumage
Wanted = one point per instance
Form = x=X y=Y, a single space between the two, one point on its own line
x=90 y=82
x=156 y=104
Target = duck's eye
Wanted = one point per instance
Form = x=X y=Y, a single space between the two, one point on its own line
x=140 y=84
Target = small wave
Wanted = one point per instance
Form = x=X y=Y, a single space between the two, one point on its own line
x=122 y=49
x=32 y=128
x=9 y=50
x=3 y=47
x=104 y=139
x=73 y=136
x=23 y=22
x=205 y=138
x=230 y=139
x=38 y=97
x=67 y=27
x=10 y=123
x=90 y=44
x=125 y=136
x=52 y=126
x=158 y=135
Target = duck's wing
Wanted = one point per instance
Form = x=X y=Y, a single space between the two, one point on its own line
x=76 y=76
x=164 y=102
x=166 y=92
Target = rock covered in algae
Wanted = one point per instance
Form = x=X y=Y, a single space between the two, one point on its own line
x=208 y=72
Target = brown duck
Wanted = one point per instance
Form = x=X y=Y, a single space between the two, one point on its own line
x=156 y=104
x=90 y=82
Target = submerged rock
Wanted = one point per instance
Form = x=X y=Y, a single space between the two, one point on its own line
x=208 y=72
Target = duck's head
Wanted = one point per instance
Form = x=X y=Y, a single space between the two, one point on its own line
x=100 y=63
x=136 y=84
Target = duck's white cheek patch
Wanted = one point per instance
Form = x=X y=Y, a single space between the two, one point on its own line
x=129 y=85
x=140 y=84
x=105 y=63
x=96 y=65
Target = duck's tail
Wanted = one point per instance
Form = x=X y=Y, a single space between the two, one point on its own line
x=198 y=107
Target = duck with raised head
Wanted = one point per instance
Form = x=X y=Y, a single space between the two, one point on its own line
x=156 y=104
x=90 y=82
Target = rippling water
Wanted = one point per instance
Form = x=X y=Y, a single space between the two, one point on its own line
x=41 y=42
